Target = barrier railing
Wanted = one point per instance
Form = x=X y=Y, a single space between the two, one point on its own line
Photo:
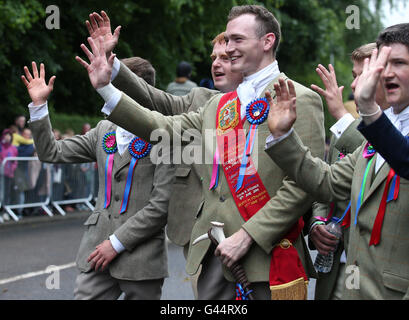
x=26 y=182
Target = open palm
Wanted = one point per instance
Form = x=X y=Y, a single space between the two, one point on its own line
x=282 y=114
x=99 y=69
x=36 y=85
x=100 y=26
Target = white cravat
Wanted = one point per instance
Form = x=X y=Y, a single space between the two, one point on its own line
x=253 y=86
x=401 y=122
x=123 y=138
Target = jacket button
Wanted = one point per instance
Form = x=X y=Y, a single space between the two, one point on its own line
x=118 y=179
x=222 y=198
x=116 y=197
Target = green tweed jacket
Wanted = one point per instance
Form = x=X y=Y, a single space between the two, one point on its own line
x=347 y=143
x=375 y=272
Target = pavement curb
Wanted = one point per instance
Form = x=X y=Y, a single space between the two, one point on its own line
x=45 y=219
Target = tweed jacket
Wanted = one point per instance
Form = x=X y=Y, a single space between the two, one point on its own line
x=141 y=228
x=375 y=272
x=188 y=177
x=347 y=143
x=274 y=220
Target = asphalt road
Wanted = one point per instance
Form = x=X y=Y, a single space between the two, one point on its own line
x=28 y=251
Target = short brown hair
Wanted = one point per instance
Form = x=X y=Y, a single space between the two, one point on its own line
x=267 y=23
x=142 y=68
x=362 y=52
x=219 y=39
x=398 y=33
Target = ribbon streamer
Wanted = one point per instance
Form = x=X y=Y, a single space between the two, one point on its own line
x=108 y=179
x=361 y=193
x=215 y=171
x=128 y=185
x=377 y=227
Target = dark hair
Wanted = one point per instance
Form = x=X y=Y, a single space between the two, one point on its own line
x=183 y=69
x=142 y=68
x=267 y=23
x=398 y=33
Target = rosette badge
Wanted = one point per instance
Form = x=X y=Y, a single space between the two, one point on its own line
x=139 y=148
x=109 y=142
x=257 y=111
x=368 y=151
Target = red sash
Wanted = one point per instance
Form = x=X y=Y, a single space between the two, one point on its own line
x=285 y=266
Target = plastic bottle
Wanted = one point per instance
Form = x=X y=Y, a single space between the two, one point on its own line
x=323 y=263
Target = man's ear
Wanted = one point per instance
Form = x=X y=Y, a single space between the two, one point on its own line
x=269 y=41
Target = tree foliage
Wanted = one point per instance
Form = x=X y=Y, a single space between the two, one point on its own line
x=165 y=32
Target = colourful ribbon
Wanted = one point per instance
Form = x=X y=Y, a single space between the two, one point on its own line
x=391 y=195
x=108 y=179
x=215 y=171
x=110 y=147
x=128 y=185
x=240 y=294
x=362 y=191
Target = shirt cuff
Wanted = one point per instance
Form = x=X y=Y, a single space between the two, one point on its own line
x=111 y=95
x=342 y=124
x=116 y=244
x=38 y=112
x=270 y=141
x=115 y=68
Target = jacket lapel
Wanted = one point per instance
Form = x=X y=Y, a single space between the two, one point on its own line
x=122 y=161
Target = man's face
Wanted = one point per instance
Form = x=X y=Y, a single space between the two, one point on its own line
x=380 y=92
x=244 y=48
x=224 y=79
x=395 y=77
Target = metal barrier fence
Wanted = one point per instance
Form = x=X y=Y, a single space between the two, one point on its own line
x=26 y=182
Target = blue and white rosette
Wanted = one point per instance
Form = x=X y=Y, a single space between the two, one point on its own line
x=138 y=148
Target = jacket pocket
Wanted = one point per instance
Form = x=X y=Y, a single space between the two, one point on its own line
x=395 y=282
x=199 y=209
x=92 y=219
x=181 y=174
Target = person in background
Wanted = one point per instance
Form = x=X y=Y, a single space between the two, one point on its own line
x=182 y=84
x=8 y=150
x=18 y=129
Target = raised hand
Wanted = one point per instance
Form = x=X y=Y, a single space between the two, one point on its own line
x=365 y=90
x=282 y=114
x=100 y=26
x=332 y=93
x=100 y=69
x=36 y=85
